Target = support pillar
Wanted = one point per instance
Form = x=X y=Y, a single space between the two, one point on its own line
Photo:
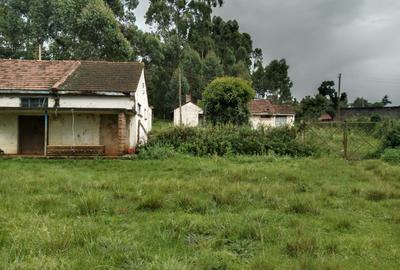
x=122 y=138
x=46 y=132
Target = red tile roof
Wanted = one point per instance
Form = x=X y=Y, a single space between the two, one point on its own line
x=69 y=75
x=264 y=106
x=325 y=117
x=32 y=75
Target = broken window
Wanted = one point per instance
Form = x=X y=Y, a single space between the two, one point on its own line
x=34 y=102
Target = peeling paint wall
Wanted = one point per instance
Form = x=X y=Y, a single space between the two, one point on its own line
x=10 y=101
x=257 y=121
x=15 y=101
x=85 y=131
x=9 y=133
x=96 y=102
x=93 y=102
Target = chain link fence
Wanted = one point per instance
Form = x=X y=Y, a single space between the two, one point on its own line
x=349 y=140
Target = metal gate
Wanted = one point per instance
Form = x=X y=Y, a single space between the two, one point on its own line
x=349 y=140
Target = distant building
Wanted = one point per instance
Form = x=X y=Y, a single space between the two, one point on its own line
x=325 y=118
x=191 y=114
x=266 y=114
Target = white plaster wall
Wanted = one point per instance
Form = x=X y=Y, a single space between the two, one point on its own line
x=86 y=129
x=190 y=115
x=109 y=102
x=106 y=102
x=9 y=133
x=132 y=131
x=9 y=101
x=290 y=120
x=257 y=122
x=15 y=101
x=145 y=115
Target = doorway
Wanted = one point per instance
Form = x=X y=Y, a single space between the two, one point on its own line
x=31 y=135
x=109 y=134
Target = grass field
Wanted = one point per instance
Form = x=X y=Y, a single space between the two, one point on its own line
x=199 y=213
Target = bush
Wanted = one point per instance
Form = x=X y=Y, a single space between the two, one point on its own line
x=391 y=155
x=376 y=118
x=392 y=138
x=229 y=139
x=226 y=100
x=157 y=151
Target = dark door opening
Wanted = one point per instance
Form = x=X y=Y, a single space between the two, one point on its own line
x=109 y=134
x=31 y=135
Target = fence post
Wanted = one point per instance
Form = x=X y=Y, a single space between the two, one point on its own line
x=345 y=140
x=303 y=132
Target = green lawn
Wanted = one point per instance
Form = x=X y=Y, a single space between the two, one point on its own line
x=199 y=213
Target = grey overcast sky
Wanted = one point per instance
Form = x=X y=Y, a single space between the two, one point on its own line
x=322 y=38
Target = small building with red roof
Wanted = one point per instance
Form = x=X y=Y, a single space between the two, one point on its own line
x=266 y=114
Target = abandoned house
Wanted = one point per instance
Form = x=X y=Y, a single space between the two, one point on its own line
x=72 y=107
x=266 y=114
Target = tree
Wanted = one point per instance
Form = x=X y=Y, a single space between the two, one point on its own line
x=192 y=66
x=327 y=89
x=226 y=100
x=311 y=108
x=360 y=102
x=276 y=84
x=178 y=17
x=100 y=35
x=386 y=101
x=232 y=46
x=212 y=67
x=74 y=29
x=173 y=95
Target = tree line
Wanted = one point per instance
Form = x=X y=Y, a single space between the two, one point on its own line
x=186 y=37
x=327 y=101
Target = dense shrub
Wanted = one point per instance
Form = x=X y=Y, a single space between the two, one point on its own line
x=391 y=155
x=157 y=151
x=392 y=138
x=229 y=139
x=226 y=100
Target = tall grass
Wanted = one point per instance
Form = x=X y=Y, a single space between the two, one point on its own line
x=243 y=212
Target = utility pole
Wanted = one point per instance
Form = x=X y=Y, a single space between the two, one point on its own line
x=180 y=95
x=338 y=97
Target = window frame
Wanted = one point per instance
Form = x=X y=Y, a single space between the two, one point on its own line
x=34 y=102
x=281 y=123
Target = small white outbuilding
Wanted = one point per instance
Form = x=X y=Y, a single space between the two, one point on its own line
x=191 y=115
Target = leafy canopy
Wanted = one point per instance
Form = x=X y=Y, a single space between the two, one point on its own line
x=226 y=100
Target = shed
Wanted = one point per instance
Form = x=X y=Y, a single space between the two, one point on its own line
x=191 y=115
